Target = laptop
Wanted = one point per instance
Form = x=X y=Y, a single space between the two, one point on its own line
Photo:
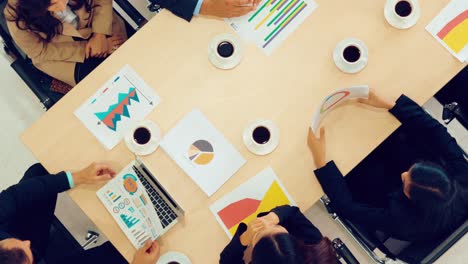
x=139 y=204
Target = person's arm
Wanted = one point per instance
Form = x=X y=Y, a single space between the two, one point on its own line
x=233 y=253
x=24 y=195
x=102 y=17
x=425 y=128
x=334 y=186
x=291 y=218
x=39 y=50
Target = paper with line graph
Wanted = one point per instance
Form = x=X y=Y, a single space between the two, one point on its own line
x=124 y=99
x=272 y=22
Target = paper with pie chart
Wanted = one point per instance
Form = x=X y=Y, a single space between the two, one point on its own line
x=127 y=202
x=121 y=101
x=334 y=99
x=260 y=194
x=202 y=152
x=450 y=28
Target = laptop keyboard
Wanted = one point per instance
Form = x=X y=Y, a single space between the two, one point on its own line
x=164 y=211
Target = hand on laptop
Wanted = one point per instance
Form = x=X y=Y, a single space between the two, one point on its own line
x=94 y=173
x=148 y=254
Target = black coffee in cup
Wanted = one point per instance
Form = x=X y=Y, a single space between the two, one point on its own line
x=403 y=8
x=173 y=262
x=261 y=135
x=142 y=135
x=351 y=54
x=225 y=49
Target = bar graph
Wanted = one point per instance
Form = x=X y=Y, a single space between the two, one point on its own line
x=272 y=22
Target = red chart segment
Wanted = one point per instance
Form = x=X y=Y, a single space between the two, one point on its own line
x=234 y=213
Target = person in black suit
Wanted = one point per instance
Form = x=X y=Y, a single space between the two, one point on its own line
x=431 y=200
x=284 y=235
x=186 y=9
x=27 y=210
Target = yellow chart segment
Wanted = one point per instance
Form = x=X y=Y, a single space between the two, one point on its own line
x=458 y=37
x=204 y=158
x=274 y=197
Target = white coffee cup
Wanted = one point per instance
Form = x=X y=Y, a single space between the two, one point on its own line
x=402 y=14
x=143 y=137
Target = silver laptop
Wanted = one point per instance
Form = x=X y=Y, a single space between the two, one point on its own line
x=166 y=207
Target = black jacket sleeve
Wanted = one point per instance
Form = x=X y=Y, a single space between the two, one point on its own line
x=335 y=187
x=26 y=194
x=181 y=8
x=423 y=127
x=297 y=224
x=233 y=253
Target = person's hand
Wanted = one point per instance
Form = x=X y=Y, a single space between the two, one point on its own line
x=376 y=100
x=252 y=228
x=114 y=43
x=318 y=147
x=97 y=46
x=228 y=8
x=148 y=254
x=270 y=219
x=94 y=173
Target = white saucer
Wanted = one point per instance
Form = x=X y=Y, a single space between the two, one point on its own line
x=148 y=148
x=261 y=149
x=173 y=256
x=397 y=21
x=225 y=63
x=349 y=67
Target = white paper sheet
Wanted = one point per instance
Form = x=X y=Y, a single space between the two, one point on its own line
x=122 y=100
x=127 y=202
x=272 y=22
x=259 y=194
x=202 y=152
x=450 y=28
x=335 y=99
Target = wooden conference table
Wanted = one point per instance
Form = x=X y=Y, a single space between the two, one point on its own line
x=171 y=56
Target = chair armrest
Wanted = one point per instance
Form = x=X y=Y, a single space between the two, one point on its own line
x=26 y=72
x=343 y=251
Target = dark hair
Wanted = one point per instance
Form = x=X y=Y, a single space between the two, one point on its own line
x=13 y=256
x=33 y=15
x=286 y=249
x=430 y=186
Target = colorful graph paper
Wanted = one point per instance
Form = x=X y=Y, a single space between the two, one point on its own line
x=260 y=194
x=124 y=99
x=272 y=22
x=450 y=28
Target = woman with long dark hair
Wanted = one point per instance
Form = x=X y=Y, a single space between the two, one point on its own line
x=284 y=235
x=65 y=39
x=430 y=200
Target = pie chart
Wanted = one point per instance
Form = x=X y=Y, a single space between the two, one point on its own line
x=201 y=152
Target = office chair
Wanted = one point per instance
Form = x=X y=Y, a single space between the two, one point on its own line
x=36 y=80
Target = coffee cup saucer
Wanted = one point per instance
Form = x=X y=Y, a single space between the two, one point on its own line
x=350 y=67
x=148 y=148
x=225 y=63
x=173 y=256
x=261 y=149
x=397 y=21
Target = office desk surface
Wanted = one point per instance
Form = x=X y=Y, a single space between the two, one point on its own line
x=171 y=56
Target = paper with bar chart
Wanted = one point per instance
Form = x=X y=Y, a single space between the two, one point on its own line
x=260 y=194
x=202 y=152
x=450 y=28
x=127 y=202
x=124 y=99
x=272 y=22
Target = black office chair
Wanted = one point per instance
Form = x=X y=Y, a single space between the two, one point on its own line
x=36 y=80
x=420 y=252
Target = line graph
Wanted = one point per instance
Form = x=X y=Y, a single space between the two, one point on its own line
x=116 y=111
x=112 y=109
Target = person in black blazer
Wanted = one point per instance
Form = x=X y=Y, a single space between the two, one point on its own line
x=431 y=201
x=284 y=235
x=27 y=210
x=186 y=9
